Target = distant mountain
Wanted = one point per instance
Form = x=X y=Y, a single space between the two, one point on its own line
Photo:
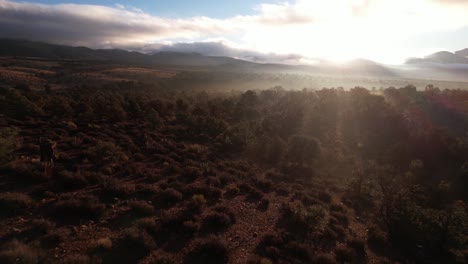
x=463 y=53
x=23 y=48
x=443 y=57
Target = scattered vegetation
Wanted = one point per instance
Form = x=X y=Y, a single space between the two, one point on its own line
x=154 y=172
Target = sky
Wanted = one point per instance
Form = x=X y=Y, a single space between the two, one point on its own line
x=295 y=31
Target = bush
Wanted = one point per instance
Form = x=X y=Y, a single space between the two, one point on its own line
x=322 y=258
x=115 y=188
x=301 y=220
x=130 y=247
x=18 y=252
x=208 y=251
x=263 y=205
x=7 y=144
x=195 y=206
x=55 y=237
x=161 y=257
x=341 y=217
x=344 y=254
x=167 y=198
x=105 y=152
x=259 y=260
x=359 y=247
x=12 y=204
x=232 y=191
x=141 y=208
x=324 y=196
x=41 y=226
x=75 y=259
x=376 y=238
x=216 y=222
x=103 y=244
x=75 y=209
x=211 y=194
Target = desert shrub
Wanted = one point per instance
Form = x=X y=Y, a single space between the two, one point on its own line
x=358 y=245
x=7 y=143
x=211 y=194
x=341 y=217
x=324 y=196
x=212 y=180
x=15 y=203
x=301 y=220
x=103 y=244
x=344 y=254
x=298 y=251
x=55 y=237
x=41 y=226
x=208 y=251
x=340 y=232
x=167 y=198
x=337 y=208
x=307 y=200
x=259 y=260
x=18 y=252
x=141 y=208
x=282 y=191
x=322 y=258
x=161 y=257
x=105 y=152
x=270 y=244
x=14 y=104
x=71 y=180
x=173 y=229
x=190 y=227
x=190 y=174
x=263 y=185
x=254 y=195
x=114 y=188
x=216 y=222
x=263 y=205
x=29 y=172
x=199 y=201
x=75 y=259
x=76 y=209
x=132 y=246
x=376 y=238
x=232 y=191
x=282 y=246
x=245 y=188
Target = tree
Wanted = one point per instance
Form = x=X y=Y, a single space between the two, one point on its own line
x=303 y=149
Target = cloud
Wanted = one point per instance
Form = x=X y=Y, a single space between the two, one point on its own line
x=96 y=25
x=222 y=49
x=381 y=30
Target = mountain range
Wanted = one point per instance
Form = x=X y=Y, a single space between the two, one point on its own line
x=438 y=66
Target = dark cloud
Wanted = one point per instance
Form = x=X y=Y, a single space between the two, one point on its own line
x=107 y=27
x=93 y=25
